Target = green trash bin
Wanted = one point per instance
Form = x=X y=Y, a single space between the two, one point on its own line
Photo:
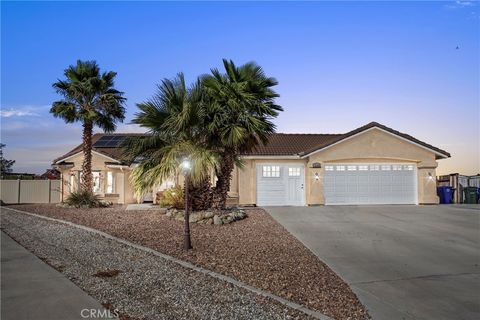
x=470 y=194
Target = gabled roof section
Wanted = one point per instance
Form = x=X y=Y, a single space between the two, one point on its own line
x=439 y=152
x=116 y=154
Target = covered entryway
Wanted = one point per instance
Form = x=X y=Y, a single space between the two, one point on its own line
x=370 y=183
x=280 y=184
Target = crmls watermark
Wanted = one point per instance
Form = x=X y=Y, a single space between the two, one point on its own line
x=99 y=313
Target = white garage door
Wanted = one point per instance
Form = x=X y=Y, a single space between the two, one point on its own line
x=372 y=183
x=279 y=185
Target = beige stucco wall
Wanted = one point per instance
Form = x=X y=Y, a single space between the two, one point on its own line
x=371 y=146
x=123 y=192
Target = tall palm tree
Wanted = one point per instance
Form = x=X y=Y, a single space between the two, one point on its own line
x=238 y=116
x=174 y=121
x=89 y=97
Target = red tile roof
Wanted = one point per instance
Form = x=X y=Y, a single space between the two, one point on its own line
x=279 y=144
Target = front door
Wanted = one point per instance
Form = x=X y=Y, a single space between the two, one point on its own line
x=295 y=185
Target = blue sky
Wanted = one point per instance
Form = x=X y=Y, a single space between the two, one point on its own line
x=340 y=65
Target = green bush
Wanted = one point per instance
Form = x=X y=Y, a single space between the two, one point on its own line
x=85 y=199
x=173 y=197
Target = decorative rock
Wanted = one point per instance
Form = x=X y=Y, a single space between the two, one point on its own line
x=227 y=219
x=207 y=217
x=209 y=214
x=217 y=220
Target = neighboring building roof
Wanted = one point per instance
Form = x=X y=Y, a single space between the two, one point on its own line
x=51 y=174
x=279 y=144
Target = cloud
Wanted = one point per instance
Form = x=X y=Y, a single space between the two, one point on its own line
x=23 y=111
x=459 y=4
x=16 y=113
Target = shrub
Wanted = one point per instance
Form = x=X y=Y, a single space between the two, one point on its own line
x=88 y=199
x=173 y=197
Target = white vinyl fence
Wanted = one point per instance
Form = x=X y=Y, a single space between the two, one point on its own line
x=30 y=191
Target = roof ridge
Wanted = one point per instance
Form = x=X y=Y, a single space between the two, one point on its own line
x=309 y=133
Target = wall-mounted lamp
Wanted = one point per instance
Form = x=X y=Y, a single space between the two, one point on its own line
x=317 y=176
x=430 y=177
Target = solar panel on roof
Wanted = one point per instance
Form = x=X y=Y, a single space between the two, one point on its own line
x=109 y=141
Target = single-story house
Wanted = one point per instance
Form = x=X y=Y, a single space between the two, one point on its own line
x=373 y=164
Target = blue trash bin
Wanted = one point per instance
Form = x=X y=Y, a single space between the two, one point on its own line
x=445 y=193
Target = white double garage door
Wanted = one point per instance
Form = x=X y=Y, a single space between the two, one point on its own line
x=366 y=183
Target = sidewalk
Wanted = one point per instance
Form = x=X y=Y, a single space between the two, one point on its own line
x=30 y=289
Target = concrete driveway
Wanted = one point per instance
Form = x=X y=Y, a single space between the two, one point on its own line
x=403 y=262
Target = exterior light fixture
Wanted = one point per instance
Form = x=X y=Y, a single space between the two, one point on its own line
x=317 y=176
x=185 y=165
x=430 y=177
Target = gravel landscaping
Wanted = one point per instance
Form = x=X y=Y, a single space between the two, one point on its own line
x=138 y=284
x=256 y=250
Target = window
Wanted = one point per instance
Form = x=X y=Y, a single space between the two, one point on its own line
x=352 y=168
x=375 y=168
x=386 y=168
x=96 y=181
x=71 y=184
x=271 y=171
x=294 y=172
x=396 y=167
x=409 y=167
x=110 y=182
x=328 y=168
x=363 y=168
x=340 y=168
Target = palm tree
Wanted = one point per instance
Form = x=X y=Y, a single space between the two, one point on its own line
x=90 y=98
x=174 y=119
x=238 y=117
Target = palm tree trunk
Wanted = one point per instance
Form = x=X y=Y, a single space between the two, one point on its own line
x=201 y=195
x=223 y=180
x=87 y=179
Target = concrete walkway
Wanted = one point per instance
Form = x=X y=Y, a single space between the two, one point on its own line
x=403 y=262
x=30 y=289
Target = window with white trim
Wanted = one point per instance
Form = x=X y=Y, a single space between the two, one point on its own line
x=328 y=168
x=386 y=168
x=340 y=168
x=271 y=171
x=71 y=184
x=396 y=167
x=374 y=167
x=294 y=172
x=96 y=181
x=363 y=168
x=110 y=182
x=408 y=167
x=352 y=168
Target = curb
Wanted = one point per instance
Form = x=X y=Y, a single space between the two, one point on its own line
x=188 y=265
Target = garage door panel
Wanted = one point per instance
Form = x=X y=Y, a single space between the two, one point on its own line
x=280 y=184
x=374 y=183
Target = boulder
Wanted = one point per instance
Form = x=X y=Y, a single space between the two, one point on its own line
x=209 y=214
x=227 y=219
x=217 y=220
